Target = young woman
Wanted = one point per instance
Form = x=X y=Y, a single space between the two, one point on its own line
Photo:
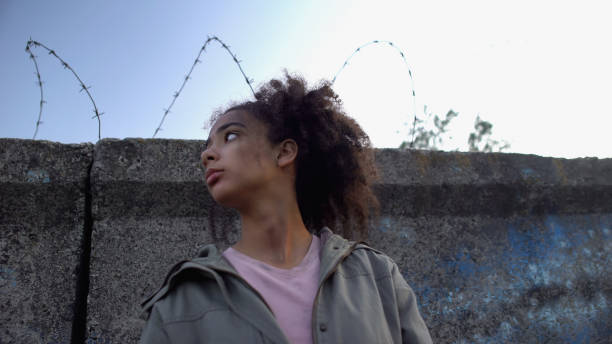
x=291 y=163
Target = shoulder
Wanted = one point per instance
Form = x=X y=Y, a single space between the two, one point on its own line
x=365 y=260
x=196 y=311
x=354 y=258
x=189 y=282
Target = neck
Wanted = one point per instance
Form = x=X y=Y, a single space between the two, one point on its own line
x=274 y=232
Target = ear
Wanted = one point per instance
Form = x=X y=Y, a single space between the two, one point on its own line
x=287 y=153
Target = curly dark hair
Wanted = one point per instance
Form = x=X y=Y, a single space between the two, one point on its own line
x=335 y=165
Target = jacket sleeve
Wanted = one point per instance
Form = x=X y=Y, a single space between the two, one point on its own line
x=153 y=332
x=414 y=329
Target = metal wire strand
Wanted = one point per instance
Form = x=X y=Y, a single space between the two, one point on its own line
x=188 y=76
x=34 y=44
x=390 y=44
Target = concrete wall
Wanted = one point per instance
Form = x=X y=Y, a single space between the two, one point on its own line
x=498 y=247
x=43 y=215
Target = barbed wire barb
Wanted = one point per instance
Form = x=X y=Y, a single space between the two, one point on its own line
x=32 y=43
x=188 y=76
x=403 y=56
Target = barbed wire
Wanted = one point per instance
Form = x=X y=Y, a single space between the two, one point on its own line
x=42 y=101
x=391 y=44
x=188 y=76
x=31 y=43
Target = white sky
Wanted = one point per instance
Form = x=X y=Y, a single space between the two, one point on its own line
x=538 y=70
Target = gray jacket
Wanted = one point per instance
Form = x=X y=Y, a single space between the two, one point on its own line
x=362 y=298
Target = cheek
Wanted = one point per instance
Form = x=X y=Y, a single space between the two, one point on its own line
x=251 y=157
x=257 y=159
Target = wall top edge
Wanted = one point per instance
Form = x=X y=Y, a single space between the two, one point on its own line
x=173 y=160
x=44 y=162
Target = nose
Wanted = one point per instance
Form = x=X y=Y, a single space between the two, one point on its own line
x=209 y=154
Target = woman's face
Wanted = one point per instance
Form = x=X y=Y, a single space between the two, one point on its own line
x=240 y=162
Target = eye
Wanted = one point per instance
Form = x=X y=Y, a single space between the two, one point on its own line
x=230 y=136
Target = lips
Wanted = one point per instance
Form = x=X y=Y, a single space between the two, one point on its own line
x=212 y=175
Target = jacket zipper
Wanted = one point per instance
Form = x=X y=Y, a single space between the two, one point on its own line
x=316 y=299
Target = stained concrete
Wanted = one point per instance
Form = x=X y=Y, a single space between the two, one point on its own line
x=521 y=279
x=471 y=232
x=501 y=247
x=42 y=218
x=497 y=247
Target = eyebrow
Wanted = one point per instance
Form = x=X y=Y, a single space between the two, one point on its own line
x=223 y=127
x=226 y=125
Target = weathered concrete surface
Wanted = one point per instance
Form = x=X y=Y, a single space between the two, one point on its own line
x=493 y=184
x=482 y=279
x=150 y=208
x=501 y=247
x=42 y=219
x=498 y=247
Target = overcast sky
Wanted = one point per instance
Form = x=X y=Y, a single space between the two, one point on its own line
x=539 y=71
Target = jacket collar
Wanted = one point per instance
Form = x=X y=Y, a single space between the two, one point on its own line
x=211 y=261
x=334 y=250
x=334 y=247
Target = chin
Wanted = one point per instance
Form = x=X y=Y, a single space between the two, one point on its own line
x=224 y=197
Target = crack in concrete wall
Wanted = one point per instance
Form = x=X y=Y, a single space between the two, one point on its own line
x=79 y=324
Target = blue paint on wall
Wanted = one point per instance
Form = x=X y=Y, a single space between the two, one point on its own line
x=38 y=176
x=528 y=173
x=549 y=281
x=7 y=279
x=389 y=226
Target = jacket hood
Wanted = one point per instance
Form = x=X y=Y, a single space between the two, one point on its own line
x=209 y=263
x=208 y=251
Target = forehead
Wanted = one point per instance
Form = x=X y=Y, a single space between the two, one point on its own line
x=237 y=116
x=231 y=116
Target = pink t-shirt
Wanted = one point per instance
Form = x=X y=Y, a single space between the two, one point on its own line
x=289 y=292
